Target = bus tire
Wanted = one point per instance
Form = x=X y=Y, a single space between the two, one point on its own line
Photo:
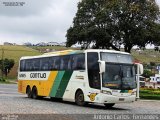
x=79 y=98
x=34 y=92
x=109 y=105
x=29 y=92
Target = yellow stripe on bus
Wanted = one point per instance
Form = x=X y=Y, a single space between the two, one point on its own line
x=50 y=82
x=64 y=52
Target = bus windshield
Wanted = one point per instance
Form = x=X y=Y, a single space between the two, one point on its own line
x=120 y=72
x=119 y=76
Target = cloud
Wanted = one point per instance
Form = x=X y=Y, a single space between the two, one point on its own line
x=36 y=21
x=158 y=2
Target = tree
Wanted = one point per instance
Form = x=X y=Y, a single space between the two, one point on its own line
x=111 y=23
x=6 y=65
x=147 y=73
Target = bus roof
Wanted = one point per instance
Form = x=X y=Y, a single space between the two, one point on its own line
x=68 y=52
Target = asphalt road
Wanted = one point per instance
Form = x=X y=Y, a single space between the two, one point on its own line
x=12 y=102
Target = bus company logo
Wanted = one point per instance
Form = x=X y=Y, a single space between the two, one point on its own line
x=92 y=96
x=22 y=75
x=38 y=75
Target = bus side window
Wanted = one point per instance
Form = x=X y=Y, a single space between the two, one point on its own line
x=44 y=64
x=29 y=65
x=56 y=63
x=74 y=64
x=78 y=62
x=70 y=62
x=36 y=64
x=22 y=65
x=64 y=62
x=51 y=63
x=81 y=62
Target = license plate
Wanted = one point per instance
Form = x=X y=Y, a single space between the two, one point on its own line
x=121 y=99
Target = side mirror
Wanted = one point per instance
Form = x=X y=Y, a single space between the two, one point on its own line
x=139 y=69
x=102 y=66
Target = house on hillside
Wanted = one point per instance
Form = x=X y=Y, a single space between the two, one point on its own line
x=155 y=78
x=41 y=44
x=7 y=43
x=52 y=44
x=154 y=82
x=62 y=44
x=28 y=44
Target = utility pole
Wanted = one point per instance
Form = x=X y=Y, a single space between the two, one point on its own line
x=138 y=84
x=2 y=62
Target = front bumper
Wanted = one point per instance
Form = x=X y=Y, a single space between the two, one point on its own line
x=115 y=99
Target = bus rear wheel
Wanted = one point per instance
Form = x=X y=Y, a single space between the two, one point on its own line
x=28 y=92
x=79 y=98
x=34 y=93
x=109 y=105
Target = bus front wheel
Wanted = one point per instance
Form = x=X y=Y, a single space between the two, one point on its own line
x=34 y=93
x=79 y=98
x=109 y=105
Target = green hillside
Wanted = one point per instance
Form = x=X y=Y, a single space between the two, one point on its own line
x=15 y=52
x=146 y=56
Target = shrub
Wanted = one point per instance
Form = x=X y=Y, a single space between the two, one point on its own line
x=2 y=79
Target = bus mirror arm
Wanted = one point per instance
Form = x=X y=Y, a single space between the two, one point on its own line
x=102 y=66
x=139 y=72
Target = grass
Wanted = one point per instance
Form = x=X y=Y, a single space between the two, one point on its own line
x=146 y=56
x=150 y=94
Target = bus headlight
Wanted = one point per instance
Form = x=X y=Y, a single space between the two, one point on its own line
x=106 y=92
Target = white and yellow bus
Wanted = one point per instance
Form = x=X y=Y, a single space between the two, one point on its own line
x=82 y=76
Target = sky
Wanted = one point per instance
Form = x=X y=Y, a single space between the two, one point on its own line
x=36 y=21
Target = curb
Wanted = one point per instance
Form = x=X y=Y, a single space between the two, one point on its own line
x=147 y=100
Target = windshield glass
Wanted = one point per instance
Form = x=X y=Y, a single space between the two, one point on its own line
x=119 y=76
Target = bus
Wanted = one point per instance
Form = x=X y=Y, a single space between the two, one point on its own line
x=82 y=76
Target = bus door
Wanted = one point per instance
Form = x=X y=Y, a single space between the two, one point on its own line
x=93 y=71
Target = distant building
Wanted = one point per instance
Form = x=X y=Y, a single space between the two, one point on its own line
x=46 y=44
x=28 y=44
x=76 y=46
x=155 y=78
x=154 y=82
x=52 y=44
x=7 y=43
x=62 y=44
x=41 y=44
